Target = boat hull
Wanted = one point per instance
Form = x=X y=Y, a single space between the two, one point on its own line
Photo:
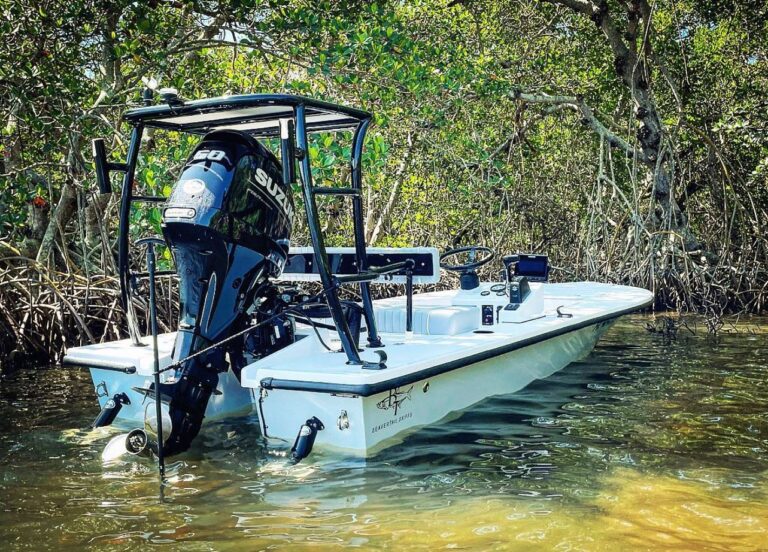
x=466 y=346
x=362 y=426
x=231 y=401
x=122 y=367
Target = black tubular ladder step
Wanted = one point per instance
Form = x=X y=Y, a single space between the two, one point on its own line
x=149 y=199
x=326 y=190
x=157 y=273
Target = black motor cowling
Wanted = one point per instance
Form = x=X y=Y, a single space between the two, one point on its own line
x=228 y=222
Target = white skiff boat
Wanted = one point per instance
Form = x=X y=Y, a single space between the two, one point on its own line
x=350 y=376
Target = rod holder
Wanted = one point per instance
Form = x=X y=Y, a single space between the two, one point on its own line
x=288 y=150
x=103 y=167
x=409 y=296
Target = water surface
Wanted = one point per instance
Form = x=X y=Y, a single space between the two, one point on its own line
x=649 y=443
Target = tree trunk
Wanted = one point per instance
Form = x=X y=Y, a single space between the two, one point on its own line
x=67 y=205
x=95 y=230
x=38 y=210
x=62 y=214
x=631 y=66
x=373 y=231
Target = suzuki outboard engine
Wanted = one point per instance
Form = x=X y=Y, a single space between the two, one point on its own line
x=228 y=223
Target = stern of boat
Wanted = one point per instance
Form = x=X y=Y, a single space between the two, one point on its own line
x=123 y=372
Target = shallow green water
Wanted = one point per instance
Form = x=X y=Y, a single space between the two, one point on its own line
x=647 y=444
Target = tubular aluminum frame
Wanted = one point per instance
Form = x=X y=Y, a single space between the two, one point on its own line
x=164 y=115
x=349 y=119
x=123 y=248
x=318 y=243
x=360 y=246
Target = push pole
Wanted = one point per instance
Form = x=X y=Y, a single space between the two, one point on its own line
x=151 y=242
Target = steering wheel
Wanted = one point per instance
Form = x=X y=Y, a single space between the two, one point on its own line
x=473 y=261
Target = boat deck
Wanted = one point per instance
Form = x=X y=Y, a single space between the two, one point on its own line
x=307 y=365
x=307 y=362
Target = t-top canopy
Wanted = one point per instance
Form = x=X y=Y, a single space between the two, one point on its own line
x=257 y=114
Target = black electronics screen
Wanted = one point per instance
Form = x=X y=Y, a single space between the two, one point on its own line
x=534 y=267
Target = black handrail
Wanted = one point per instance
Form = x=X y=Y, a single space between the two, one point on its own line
x=328 y=190
x=375 y=272
x=359 y=228
x=318 y=243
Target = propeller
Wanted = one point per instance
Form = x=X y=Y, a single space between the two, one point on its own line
x=139 y=442
x=135 y=443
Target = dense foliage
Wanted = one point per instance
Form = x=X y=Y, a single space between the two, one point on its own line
x=625 y=138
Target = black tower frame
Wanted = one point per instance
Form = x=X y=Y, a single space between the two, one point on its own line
x=289 y=117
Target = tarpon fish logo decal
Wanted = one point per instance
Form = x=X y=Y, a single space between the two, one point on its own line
x=394 y=399
x=266 y=182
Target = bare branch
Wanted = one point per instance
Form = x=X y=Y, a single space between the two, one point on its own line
x=576 y=103
x=583 y=6
x=386 y=212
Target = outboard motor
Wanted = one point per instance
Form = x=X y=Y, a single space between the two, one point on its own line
x=228 y=223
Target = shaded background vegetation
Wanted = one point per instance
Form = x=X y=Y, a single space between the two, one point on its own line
x=626 y=139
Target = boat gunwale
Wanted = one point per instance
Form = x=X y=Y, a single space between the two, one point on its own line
x=369 y=389
x=97 y=364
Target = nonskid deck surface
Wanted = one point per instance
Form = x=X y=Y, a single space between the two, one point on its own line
x=125 y=353
x=307 y=361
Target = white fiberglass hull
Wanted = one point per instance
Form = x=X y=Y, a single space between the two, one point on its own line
x=120 y=367
x=364 y=425
x=465 y=347
x=460 y=355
